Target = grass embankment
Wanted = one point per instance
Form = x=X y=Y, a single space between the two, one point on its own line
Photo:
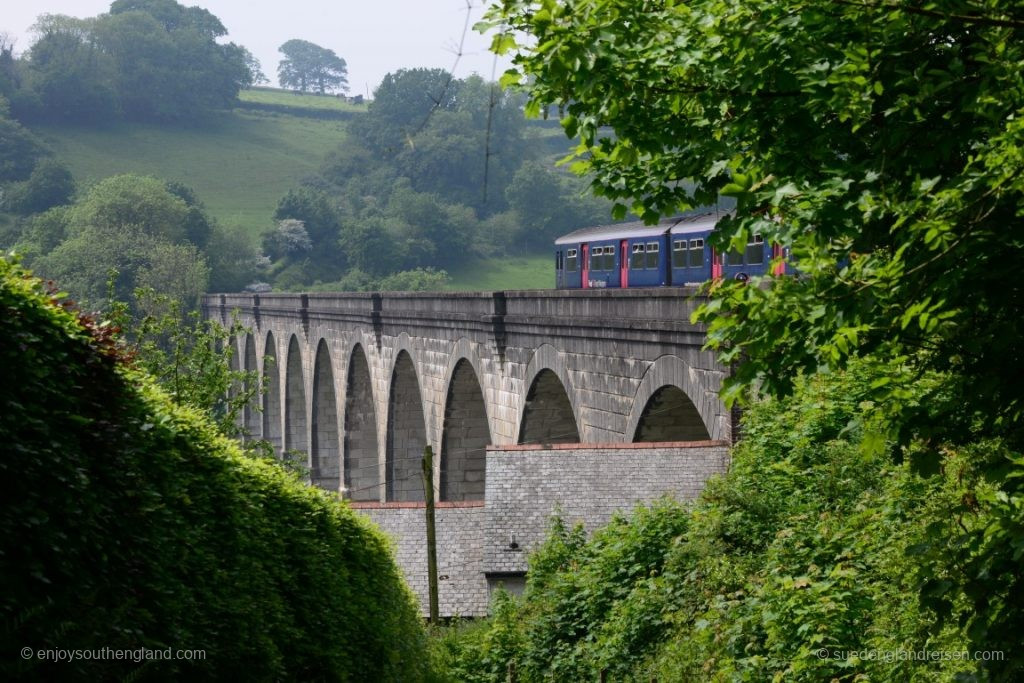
x=128 y=522
x=240 y=165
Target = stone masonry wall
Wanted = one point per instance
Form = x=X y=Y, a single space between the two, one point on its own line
x=462 y=587
x=589 y=483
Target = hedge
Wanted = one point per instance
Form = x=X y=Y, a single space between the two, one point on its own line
x=128 y=522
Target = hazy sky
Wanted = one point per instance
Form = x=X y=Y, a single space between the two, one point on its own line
x=373 y=37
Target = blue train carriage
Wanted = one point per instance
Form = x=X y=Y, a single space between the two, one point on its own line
x=755 y=259
x=622 y=255
x=693 y=259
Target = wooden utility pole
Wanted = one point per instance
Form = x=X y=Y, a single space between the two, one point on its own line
x=428 y=496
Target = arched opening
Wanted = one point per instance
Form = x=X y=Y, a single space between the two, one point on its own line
x=295 y=402
x=407 y=434
x=249 y=412
x=362 y=474
x=547 y=413
x=326 y=461
x=670 y=416
x=465 y=438
x=272 y=399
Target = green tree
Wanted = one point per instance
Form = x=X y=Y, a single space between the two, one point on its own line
x=132 y=200
x=402 y=105
x=68 y=70
x=880 y=143
x=314 y=209
x=307 y=67
x=549 y=204
x=19 y=151
x=134 y=225
x=169 y=63
x=49 y=185
x=256 y=75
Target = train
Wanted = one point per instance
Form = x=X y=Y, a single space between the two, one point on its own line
x=674 y=252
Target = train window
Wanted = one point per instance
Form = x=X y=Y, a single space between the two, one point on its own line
x=652 y=254
x=570 y=260
x=696 y=253
x=609 y=258
x=755 y=249
x=679 y=254
x=636 y=259
x=734 y=258
x=596 y=258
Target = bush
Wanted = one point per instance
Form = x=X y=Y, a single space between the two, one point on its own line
x=128 y=522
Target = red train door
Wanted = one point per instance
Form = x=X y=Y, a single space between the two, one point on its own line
x=780 y=269
x=586 y=266
x=623 y=265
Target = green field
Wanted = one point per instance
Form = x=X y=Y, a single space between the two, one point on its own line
x=289 y=98
x=520 y=272
x=239 y=165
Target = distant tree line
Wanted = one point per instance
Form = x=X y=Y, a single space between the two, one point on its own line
x=144 y=60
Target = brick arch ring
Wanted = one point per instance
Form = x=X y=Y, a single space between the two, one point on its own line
x=547 y=357
x=671 y=370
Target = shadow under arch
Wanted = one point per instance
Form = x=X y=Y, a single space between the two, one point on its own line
x=361 y=469
x=406 y=432
x=465 y=435
x=549 y=412
x=664 y=408
x=272 y=398
x=295 y=436
x=325 y=456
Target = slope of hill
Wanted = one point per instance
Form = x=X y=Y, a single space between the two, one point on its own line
x=239 y=165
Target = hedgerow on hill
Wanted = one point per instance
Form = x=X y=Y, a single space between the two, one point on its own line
x=816 y=558
x=129 y=522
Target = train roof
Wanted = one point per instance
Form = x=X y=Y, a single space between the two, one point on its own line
x=676 y=225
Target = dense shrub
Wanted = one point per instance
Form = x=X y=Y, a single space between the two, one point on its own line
x=128 y=522
x=816 y=541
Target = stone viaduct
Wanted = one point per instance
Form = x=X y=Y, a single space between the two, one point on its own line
x=588 y=401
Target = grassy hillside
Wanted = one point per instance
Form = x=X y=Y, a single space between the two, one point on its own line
x=240 y=165
x=288 y=98
x=535 y=271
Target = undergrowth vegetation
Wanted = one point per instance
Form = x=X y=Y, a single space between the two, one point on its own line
x=818 y=557
x=128 y=521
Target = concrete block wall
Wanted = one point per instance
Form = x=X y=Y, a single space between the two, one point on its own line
x=588 y=483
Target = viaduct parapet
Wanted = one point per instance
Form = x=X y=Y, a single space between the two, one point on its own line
x=359 y=383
